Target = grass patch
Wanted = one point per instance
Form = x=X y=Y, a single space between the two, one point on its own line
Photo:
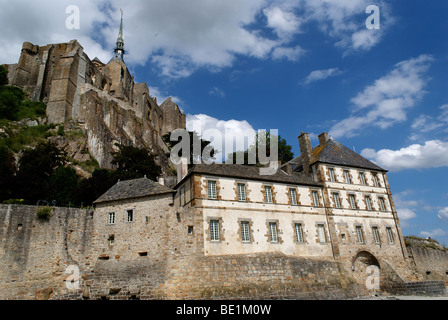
x=44 y=213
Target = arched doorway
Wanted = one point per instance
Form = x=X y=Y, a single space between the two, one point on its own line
x=366 y=270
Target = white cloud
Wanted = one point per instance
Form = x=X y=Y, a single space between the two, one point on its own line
x=434 y=233
x=222 y=132
x=179 y=37
x=215 y=91
x=387 y=100
x=291 y=54
x=443 y=214
x=406 y=214
x=432 y=154
x=318 y=75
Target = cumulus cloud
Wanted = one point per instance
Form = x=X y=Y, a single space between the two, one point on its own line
x=443 y=214
x=179 y=37
x=432 y=154
x=319 y=75
x=226 y=136
x=387 y=100
x=406 y=214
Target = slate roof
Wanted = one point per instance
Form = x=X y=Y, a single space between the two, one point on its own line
x=131 y=189
x=333 y=152
x=250 y=173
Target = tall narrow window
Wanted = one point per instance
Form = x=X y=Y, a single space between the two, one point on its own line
x=268 y=192
x=382 y=203
x=390 y=235
x=299 y=232
x=376 y=235
x=293 y=196
x=245 y=231
x=362 y=177
x=111 y=218
x=331 y=174
x=347 y=177
x=214 y=230
x=241 y=192
x=321 y=233
x=315 y=198
x=129 y=215
x=273 y=231
x=337 y=202
x=359 y=234
x=212 y=190
x=376 y=182
x=182 y=196
x=352 y=200
x=368 y=203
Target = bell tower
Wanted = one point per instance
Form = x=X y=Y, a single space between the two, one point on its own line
x=119 y=48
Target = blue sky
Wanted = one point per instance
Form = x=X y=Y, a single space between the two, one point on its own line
x=308 y=65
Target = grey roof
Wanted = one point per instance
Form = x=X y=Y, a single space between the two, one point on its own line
x=131 y=189
x=251 y=173
x=333 y=152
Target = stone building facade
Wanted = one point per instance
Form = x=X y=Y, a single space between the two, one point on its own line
x=223 y=232
x=102 y=98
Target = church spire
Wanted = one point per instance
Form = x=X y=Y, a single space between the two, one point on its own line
x=119 y=48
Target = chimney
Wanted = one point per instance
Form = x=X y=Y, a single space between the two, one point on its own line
x=182 y=169
x=323 y=138
x=305 y=151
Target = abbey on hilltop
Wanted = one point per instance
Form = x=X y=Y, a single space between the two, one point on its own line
x=102 y=98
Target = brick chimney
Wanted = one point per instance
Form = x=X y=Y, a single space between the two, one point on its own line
x=182 y=169
x=323 y=138
x=305 y=151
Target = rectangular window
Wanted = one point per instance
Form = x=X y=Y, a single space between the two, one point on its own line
x=331 y=174
x=337 y=202
x=362 y=177
x=376 y=235
x=129 y=215
x=214 y=230
x=321 y=233
x=315 y=198
x=111 y=218
x=268 y=192
x=359 y=234
x=273 y=231
x=245 y=231
x=299 y=232
x=212 y=190
x=352 y=200
x=347 y=177
x=382 y=203
x=368 y=203
x=390 y=235
x=376 y=182
x=241 y=192
x=293 y=196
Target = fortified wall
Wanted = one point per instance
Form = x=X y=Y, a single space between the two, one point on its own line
x=41 y=259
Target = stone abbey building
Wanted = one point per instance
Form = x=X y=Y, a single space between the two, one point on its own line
x=324 y=226
x=102 y=98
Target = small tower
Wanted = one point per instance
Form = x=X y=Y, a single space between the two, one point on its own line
x=119 y=48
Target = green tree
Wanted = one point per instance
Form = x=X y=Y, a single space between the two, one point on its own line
x=132 y=163
x=36 y=169
x=207 y=152
x=92 y=188
x=10 y=101
x=285 y=153
x=63 y=184
x=3 y=76
x=7 y=173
